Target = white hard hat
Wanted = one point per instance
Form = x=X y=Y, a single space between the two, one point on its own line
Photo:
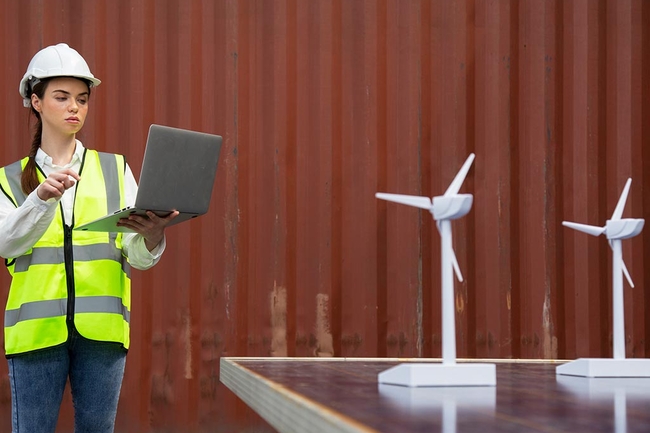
x=54 y=61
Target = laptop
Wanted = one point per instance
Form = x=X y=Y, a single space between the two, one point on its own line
x=178 y=172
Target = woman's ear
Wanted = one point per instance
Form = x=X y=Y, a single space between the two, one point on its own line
x=36 y=103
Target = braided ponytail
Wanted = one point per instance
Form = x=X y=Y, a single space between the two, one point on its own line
x=29 y=178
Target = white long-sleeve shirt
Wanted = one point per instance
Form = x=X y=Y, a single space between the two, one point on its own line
x=22 y=227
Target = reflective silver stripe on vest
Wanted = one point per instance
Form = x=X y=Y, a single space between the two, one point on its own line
x=39 y=256
x=36 y=310
x=102 y=304
x=108 y=163
x=14 y=173
x=58 y=308
x=85 y=253
x=111 y=180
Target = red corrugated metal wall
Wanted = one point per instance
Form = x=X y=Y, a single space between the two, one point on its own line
x=323 y=103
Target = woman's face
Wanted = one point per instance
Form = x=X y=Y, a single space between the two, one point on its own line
x=64 y=105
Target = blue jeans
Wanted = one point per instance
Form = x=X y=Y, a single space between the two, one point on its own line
x=38 y=379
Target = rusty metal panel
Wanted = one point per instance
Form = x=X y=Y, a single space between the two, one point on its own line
x=323 y=103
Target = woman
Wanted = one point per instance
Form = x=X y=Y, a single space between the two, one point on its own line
x=68 y=309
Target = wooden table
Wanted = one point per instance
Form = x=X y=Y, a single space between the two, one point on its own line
x=311 y=395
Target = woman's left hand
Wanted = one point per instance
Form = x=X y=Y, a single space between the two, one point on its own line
x=151 y=227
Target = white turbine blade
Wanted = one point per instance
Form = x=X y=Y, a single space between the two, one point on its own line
x=410 y=200
x=627 y=274
x=625 y=271
x=454 y=260
x=455 y=185
x=459 y=275
x=618 y=212
x=592 y=230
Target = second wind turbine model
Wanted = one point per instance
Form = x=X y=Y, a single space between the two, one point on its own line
x=444 y=208
x=616 y=229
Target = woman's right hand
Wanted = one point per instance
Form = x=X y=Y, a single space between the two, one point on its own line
x=56 y=184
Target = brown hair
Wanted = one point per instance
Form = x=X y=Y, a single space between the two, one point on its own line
x=29 y=178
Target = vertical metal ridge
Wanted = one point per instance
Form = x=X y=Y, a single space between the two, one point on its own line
x=513 y=146
x=337 y=185
x=290 y=172
x=423 y=316
x=381 y=175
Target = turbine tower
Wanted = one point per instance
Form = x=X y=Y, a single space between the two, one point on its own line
x=444 y=209
x=616 y=229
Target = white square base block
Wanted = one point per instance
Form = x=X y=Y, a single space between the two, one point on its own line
x=606 y=367
x=432 y=374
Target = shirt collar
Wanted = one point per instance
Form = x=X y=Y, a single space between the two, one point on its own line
x=43 y=159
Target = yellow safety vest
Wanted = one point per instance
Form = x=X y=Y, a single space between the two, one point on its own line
x=71 y=276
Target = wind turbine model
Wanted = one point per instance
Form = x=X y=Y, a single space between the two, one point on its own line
x=616 y=229
x=444 y=208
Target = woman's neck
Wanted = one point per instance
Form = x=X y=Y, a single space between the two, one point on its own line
x=60 y=149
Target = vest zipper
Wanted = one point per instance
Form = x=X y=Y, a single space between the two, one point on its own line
x=69 y=270
x=67 y=250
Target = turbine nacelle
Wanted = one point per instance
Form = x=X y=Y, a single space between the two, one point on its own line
x=451 y=207
x=624 y=228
